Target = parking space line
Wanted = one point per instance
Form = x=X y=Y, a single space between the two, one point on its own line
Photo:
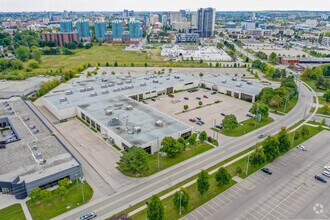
x=286 y=208
x=226 y=198
x=252 y=215
x=240 y=188
x=221 y=202
x=235 y=193
x=210 y=206
x=214 y=205
x=202 y=207
x=198 y=212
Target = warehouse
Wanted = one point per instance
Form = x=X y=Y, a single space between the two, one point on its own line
x=31 y=156
x=111 y=106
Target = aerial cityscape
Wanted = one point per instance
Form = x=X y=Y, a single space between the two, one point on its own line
x=138 y=110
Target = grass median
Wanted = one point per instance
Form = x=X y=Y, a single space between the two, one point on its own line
x=244 y=127
x=13 y=212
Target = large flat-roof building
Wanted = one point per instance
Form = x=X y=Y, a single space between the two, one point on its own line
x=31 y=156
x=60 y=38
x=110 y=104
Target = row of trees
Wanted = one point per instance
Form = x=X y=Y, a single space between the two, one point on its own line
x=13 y=64
x=318 y=74
x=155 y=208
x=46 y=194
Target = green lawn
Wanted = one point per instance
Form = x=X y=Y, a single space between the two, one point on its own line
x=291 y=104
x=322 y=101
x=311 y=83
x=246 y=127
x=57 y=205
x=166 y=162
x=13 y=212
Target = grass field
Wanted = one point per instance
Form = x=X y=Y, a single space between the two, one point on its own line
x=311 y=83
x=42 y=210
x=166 y=162
x=13 y=212
x=244 y=127
x=322 y=101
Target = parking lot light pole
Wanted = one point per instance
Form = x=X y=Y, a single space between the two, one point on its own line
x=158 y=164
x=247 y=165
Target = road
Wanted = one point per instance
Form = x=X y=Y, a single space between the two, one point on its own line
x=291 y=192
x=144 y=188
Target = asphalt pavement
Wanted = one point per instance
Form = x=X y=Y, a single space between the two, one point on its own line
x=291 y=192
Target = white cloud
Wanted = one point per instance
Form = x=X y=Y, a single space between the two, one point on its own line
x=161 y=5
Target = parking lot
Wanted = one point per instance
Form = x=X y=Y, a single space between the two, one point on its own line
x=210 y=112
x=290 y=191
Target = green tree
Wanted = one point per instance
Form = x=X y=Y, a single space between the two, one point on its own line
x=155 y=209
x=36 y=54
x=64 y=182
x=46 y=194
x=134 y=160
x=35 y=194
x=273 y=58
x=22 y=53
x=257 y=157
x=202 y=136
x=222 y=177
x=185 y=107
x=230 y=121
x=283 y=140
x=271 y=150
x=239 y=170
x=304 y=131
x=184 y=199
x=183 y=142
x=171 y=147
x=326 y=95
x=260 y=108
x=145 y=65
x=203 y=184
x=192 y=139
x=115 y=64
x=60 y=190
x=200 y=103
x=326 y=109
x=33 y=64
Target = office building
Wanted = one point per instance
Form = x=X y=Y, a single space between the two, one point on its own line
x=206 y=22
x=230 y=25
x=31 y=154
x=83 y=29
x=66 y=26
x=99 y=29
x=135 y=31
x=187 y=38
x=174 y=17
x=117 y=30
x=60 y=38
x=248 y=25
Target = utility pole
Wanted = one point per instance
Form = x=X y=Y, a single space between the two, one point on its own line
x=247 y=165
x=158 y=154
x=82 y=185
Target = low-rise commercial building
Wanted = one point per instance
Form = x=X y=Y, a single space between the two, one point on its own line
x=187 y=38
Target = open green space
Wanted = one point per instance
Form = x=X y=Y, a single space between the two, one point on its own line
x=322 y=101
x=13 y=212
x=244 y=127
x=77 y=194
x=290 y=105
x=311 y=83
x=166 y=162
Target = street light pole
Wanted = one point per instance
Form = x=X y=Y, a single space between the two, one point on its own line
x=294 y=133
x=247 y=165
x=180 y=200
x=158 y=164
x=82 y=185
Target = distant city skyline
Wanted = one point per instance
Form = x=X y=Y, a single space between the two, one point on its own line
x=169 y=5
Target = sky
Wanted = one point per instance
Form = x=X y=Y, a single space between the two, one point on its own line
x=161 y=5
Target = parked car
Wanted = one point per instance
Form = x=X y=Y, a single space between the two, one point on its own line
x=219 y=126
x=320 y=178
x=186 y=98
x=202 y=122
x=326 y=173
x=199 y=123
x=249 y=115
x=171 y=95
x=266 y=170
x=197 y=131
x=213 y=93
x=198 y=118
x=205 y=96
x=192 y=120
x=301 y=147
x=262 y=136
x=223 y=114
x=198 y=98
x=327 y=167
x=190 y=91
x=88 y=216
x=153 y=99
x=145 y=102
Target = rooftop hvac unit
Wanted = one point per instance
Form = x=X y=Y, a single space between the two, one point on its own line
x=249 y=82
x=26 y=118
x=89 y=88
x=32 y=126
x=137 y=129
x=155 y=81
x=181 y=79
x=111 y=84
x=63 y=99
x=239 y=85
x=159 y=123
x=38 y=155
x=41 y=161
x=224 y=81
x=93 y=94
x=116 y=89
x=129 y=81
x=36 y=130
x=114 y=122
x=147 y=78
x=83 y=90
x=105 y=91
x=34 y=147
x=104 y=80
x=143 y=84
x=108 y=111
x=123 y=87
x=6 y=103
x=8 y=108
x=104 y=86
x=234 y=79
x=111 y=141
x=69 y=92
x=167 y=78
x=176 y=77
x=120 y=83
x=129 y=107
x=130 y=86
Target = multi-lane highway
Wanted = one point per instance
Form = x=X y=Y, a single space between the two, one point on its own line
x=144 y=188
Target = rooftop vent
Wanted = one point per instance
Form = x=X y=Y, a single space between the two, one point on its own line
x=137 y=129
x=105 y=91
x=36 y=130
x=93 y=94
x=104 y=86
x=63 y=99
x=239 y=84
x=116 y=89
x=159 y=123
x=104 y=80
x=129 y=81
x=69 y=92
x=130 y=87
x=155 y=81
x=224 y=81
x=26 y=118
x=108 y=111
x=234 y=79
x=249 y=82
x=143 y=84
x=83 y=90
x=89 y=88
x=111 y=84
x=129 y=107
x=32 y=126
x=41 y=161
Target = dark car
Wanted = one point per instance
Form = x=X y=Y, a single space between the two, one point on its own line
x=198 y=118
x=261 y=136
x=223 y=114
x=88 y=216
x=249 y=115
x=153 y=99
x=219 y=126
x=205 y=96
x=192 y=120
x=199 y=123
x=320 y=178
x=266 y=170
x=213 y=93
x=186 y=98
x=198 y=98
x=202 y=122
